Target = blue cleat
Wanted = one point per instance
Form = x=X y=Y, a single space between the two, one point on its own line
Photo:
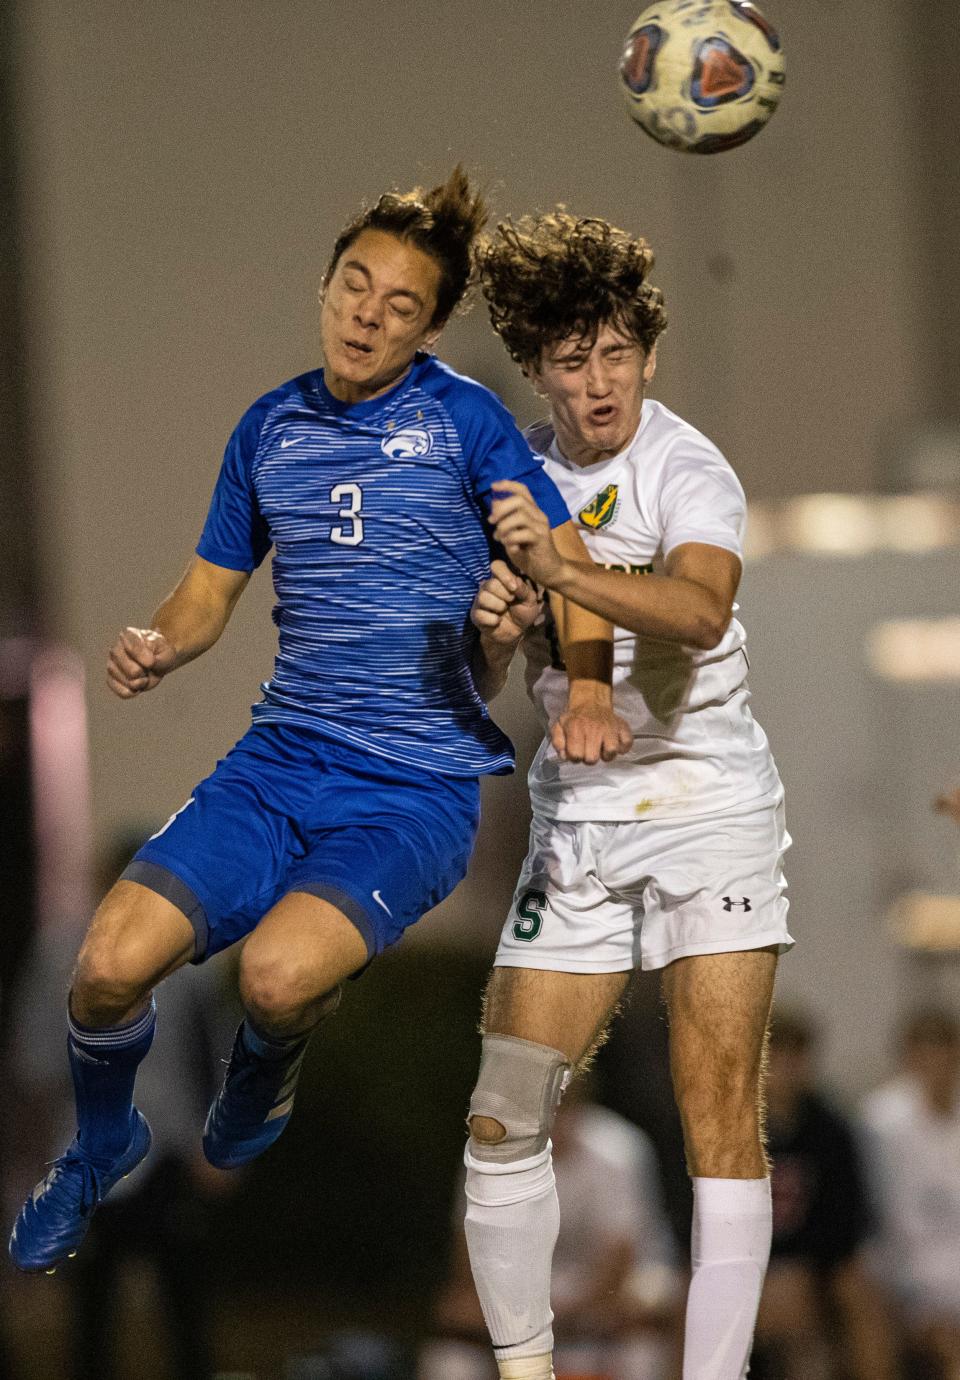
x=55 y=1218
x=253 y=1106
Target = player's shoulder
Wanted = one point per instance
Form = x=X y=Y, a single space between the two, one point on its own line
x=669 y=450
x=670 y=436
x=295 y=389
x=465 y=398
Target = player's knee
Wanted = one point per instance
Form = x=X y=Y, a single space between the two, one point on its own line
x=515 y=1100
x=108 y=978
x=275 y=989
x=486 y=1130
x=724 y=1141
x=135 y=939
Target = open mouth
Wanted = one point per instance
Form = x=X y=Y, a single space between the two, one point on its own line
x=356 y=349
x=603 y=414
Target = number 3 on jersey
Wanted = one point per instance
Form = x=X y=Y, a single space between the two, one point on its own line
x=352 y=535
x=530 y=909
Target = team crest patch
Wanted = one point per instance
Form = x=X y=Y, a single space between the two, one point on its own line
x=407 y=444
x=602 y=509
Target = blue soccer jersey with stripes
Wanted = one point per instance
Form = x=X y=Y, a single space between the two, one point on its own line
x=376 y=512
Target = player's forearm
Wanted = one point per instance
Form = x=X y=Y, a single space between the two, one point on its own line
x=586 y=642
x=193 y=616
x=585 y=634
x=190 y=629
x=490 y=666
x=662 y=606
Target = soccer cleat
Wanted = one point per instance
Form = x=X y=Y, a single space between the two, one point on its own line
x=253 y=1106
x=55 y=1218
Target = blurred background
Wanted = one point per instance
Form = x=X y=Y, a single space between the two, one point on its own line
x=172 y=177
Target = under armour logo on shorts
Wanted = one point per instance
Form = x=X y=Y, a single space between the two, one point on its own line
x=729 y=903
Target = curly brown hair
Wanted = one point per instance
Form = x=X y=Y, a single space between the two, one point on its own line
x=443 y=222
x=554 y=275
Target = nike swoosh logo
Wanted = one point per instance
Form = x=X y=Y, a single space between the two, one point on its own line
x=294 y=442
x=381 y=902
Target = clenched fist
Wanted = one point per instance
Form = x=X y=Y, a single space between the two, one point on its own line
x=505 y=606
x=138 y=661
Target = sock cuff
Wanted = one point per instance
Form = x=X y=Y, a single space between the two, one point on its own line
x=535 y=1180
x=114 y=1036
x=738 y=1197
x=496 y=1167
x=732 y=1223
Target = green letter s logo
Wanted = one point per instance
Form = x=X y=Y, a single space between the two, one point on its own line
x=530 y=908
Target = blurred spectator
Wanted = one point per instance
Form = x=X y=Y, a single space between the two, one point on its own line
x=821 y=1315
x=616 y=1288
x=913 y=1131
x=160 y=1216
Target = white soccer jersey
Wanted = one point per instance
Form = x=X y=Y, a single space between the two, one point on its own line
x=697 y=749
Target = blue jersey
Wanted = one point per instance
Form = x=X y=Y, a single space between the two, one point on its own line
x=377 y=513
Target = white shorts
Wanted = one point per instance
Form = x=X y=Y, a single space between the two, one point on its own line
x=604 y=898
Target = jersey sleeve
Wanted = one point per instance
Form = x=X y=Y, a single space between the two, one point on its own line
x=701 y=500
x=494 y=449
x=235 y=533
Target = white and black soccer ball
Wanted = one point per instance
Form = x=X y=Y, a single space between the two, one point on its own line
x=702 y=76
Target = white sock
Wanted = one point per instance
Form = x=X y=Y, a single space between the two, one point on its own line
x=511 y=1225
x=730 y=1247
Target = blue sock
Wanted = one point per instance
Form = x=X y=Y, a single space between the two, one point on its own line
x=104 y=1067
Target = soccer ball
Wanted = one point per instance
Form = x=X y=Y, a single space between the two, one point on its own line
x=702 y=75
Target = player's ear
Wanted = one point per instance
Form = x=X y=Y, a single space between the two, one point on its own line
x=531 y=372
x=650 y=365
x=432 y=333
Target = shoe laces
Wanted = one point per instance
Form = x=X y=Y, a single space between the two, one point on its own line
x=72 y=1181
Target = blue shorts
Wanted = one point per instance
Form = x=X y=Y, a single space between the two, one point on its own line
x=290 y=810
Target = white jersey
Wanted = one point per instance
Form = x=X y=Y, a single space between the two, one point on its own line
x=697 y=749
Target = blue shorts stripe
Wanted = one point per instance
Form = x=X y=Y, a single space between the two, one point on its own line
x=174 y=889
x=348 y=906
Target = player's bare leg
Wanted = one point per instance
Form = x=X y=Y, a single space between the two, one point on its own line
x=538 y=1025
x=300 y=951
x=290 y=974
x=567 y=1011
x=136 y=938
x=719 y=1007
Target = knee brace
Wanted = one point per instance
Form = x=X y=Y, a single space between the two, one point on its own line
x=519 y=1085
